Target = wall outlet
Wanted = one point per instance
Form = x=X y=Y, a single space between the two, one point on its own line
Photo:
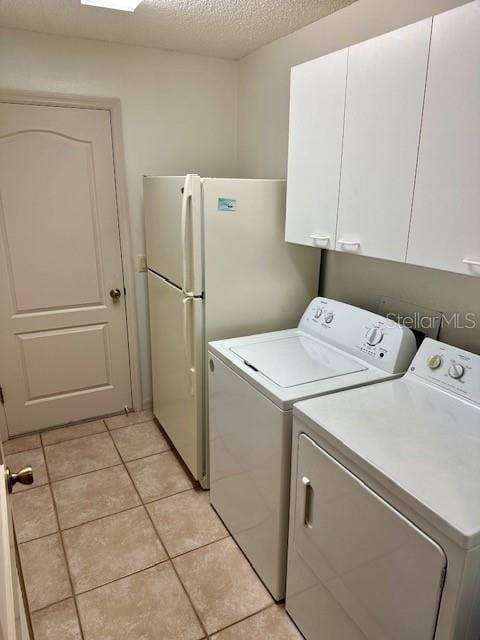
x=141 y=263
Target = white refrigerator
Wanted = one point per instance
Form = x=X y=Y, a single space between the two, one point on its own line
x=218 y=267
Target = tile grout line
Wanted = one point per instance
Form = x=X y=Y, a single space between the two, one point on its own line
x=62 y=542
x=170 y=495
x=128 y=575
x=53 y=604
x=83 y=473
x=202 y=546
x=251 y=615
x=108 y=515
x=86 y=435
x=169 y=559
x=15 y=453
x=133 y=424
x=150 y=455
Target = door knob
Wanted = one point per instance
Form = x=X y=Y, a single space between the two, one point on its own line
x=24 y=476
x=115 y=293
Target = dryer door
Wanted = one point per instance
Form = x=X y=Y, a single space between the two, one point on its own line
x=357 y=568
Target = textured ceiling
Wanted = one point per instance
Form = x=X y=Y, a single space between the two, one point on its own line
x=222 y=28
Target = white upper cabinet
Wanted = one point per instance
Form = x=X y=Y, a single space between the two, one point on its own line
x=317 y=102
x=445 y=231
x=383 y=113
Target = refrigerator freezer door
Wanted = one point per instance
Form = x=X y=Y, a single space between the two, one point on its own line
x=172 y=207
x=176 y=329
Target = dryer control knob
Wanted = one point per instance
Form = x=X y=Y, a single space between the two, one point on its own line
x=374 y=336
x=434 y=361
x=456 y=371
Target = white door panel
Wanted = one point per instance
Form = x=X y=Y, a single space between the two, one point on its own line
x=317 y=102
x=13 y=612
x=7 y=600
x=176 y=329
x=383 y=111
x=372 y=573
x=445 y=232
x=63 y=338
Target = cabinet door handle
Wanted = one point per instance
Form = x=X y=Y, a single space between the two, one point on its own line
x=473 y=263
x=314 y=236
x=308 y=503
x=349 y=243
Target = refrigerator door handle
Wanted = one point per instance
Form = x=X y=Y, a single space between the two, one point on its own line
x=187 y=195
x=187 y=340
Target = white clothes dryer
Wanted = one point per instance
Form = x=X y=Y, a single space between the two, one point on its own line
x=384 y=536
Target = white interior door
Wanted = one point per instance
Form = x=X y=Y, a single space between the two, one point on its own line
x=7 y=600
x=62 y=336
x=385 y=89
x=364 y=569
x=12 y=609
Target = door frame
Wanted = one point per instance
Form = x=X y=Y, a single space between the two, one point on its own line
x=114 y=107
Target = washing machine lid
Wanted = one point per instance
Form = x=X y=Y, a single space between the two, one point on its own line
x=296 y=360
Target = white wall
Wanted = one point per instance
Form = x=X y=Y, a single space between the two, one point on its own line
x=262 y=147
x=179 y=113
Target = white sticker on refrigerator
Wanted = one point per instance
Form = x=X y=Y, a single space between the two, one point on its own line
x=227 y=204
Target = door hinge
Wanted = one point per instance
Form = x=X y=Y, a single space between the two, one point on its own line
x=2 y=397
x=124 y=291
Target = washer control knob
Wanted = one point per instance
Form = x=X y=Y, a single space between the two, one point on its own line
x=374 y=336
x=318 y=312
x=328 y=317
x=456 y=371
x=434 y=362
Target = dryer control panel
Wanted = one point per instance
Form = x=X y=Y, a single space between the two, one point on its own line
x=379 y=341
x=449 y=368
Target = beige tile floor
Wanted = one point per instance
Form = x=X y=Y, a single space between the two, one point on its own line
x=117 y=542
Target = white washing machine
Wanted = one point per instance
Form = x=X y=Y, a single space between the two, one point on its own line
x=384 y=536
x=253 y=383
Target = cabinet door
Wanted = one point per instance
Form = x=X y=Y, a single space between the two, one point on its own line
x=445 y=232
x=385 y=91
x=317 y=102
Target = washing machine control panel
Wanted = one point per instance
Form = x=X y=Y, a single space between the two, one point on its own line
x=373 y=338
x=449 y=368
